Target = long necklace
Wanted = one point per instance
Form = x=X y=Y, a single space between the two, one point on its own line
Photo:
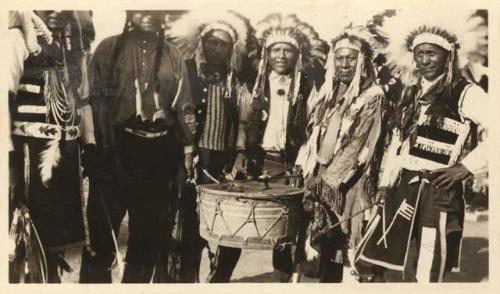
x=60 y=104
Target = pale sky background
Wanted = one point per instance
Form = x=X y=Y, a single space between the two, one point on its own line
x=326 y=22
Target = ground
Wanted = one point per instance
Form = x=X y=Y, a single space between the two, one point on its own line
x=255 y=266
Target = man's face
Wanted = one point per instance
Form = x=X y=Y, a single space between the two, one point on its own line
x=345 y=62
x=282 y=57
x=55 y=19
x=145 y=22
x=217 y=47
x=430 y=60
x=168 y=21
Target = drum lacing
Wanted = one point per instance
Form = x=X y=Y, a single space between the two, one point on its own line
x=284 y=211
x=218 y=211
x=250 y=219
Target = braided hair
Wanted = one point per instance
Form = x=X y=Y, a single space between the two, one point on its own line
x=120 y=43
x=409 y=108
x=79 y=34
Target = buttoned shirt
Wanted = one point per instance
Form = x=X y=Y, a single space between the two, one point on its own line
x=214 y=131
x=275 y=133
x=115 y=99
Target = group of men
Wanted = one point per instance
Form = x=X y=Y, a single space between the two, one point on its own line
x=212 y=98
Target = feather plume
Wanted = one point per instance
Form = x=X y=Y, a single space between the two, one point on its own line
x=311 y=46
x=36 y=260
x=23 y=234
x=186 y=32
x=460 y=27
x=337 y=21
x=49 y=159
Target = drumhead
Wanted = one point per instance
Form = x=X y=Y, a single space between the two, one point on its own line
x=252 y=189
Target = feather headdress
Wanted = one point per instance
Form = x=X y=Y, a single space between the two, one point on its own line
x=188 y=31
x=459 y=32
x=276 y=28
x=355 y=34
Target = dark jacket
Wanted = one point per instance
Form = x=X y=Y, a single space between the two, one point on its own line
x=199 y=91
x=112 y=89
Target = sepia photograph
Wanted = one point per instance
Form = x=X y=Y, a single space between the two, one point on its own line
x=326 y=142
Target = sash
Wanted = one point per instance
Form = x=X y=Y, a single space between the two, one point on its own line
x=327 y=147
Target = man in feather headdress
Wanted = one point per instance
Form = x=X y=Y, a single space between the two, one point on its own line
x=50 y=119
x=424 y=169
x=273 y=118
x=339 y=160
x=216 y=49
x=145 y=124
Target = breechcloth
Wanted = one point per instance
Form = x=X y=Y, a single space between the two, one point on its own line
x=55 y=209
x=417 y=210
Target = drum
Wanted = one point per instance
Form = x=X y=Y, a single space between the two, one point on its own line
x=249 y=215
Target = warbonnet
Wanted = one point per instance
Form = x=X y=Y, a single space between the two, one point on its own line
x=461 y=29
x=276 y=28
x=188 y=32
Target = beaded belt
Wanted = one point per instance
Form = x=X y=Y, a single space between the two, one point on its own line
x=145 y=134
x=44 y=130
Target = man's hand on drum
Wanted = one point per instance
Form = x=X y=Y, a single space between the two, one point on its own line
x=296 y=179
x=240 y=163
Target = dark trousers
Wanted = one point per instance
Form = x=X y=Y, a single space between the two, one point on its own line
x=330 y=246
x=143 y=186
x=211 y=165
x=226 y=259
x=330 y=268
x=330 y=272
x=147 y=208
x=105 y=209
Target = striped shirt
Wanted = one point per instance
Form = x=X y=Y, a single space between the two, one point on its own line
x=214 y=131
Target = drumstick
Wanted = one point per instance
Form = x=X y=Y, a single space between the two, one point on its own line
x=324 y=231
x=278 y=177
x=118 y=261
x=264 y=177
x=212 y=178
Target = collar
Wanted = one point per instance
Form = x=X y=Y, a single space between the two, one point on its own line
x=274 y=76
x=143 y=37
x=426 y=85
x=201 y=63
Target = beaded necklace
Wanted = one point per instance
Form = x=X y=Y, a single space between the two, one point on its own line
x=60 y=103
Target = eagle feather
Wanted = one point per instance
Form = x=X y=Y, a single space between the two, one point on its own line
x=49 y=159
